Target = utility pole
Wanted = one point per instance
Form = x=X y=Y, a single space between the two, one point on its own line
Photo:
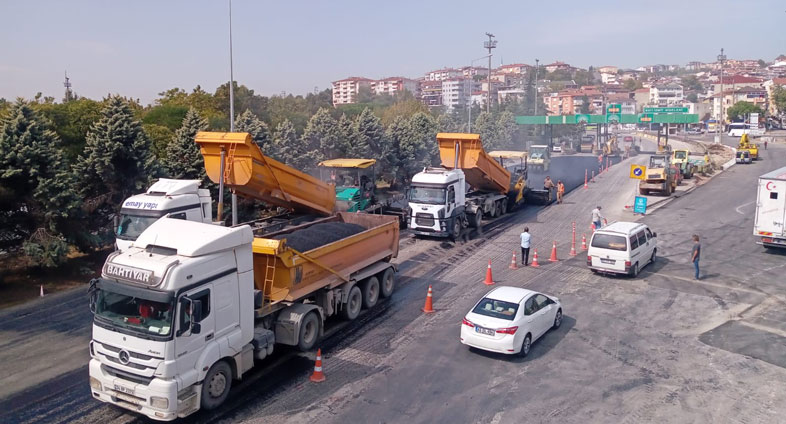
x=469 y=109
x=69 y=95
x=721 y=59
x=232 y=107
x=536 y=87
x=491 y=44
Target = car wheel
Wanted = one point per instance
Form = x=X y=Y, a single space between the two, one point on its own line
x=309 y=332
x=215 y=387
x=351 y=309
x=370 y=292
x=526 y=344
x=388 y=283
x=558 y=319
x=635 y=271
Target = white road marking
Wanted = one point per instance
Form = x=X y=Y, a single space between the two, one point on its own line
x=742 y=206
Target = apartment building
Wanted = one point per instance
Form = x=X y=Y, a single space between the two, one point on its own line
x=558 y=66
x=729 y=97
x=345 y=91
x=733 y=82
x=393 y=85
x=456 y=92
x=769 y=87
x=514 y=68
x=431 y=93
x=471 y=71
x=570 y=102
x=443 y=74
x=666 y=95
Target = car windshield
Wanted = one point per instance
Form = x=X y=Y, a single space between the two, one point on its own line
x=496 y=309
x=134 y=313
x=434 y=196
x=608 y=241
x=131 y=226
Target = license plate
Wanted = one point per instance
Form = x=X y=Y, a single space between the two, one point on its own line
x=486 y=331
x=607 y=261
x=124 y=389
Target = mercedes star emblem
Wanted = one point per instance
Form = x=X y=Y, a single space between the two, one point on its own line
x=124 y=357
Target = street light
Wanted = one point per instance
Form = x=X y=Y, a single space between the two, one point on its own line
x=536 y=87
x=469 y=113
x=491 y=44
x=721 y=59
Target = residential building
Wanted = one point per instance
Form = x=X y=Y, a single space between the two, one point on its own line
x=514 y=68
x=510 y=93
x=642 y=97
x=570 y=102
x=443 y=74
x=733 y=82
x=769 y=87
x=666 y=95
x=729 y=97
x=431 y=93
x=345 y=91
x=478 y=98
x=695 y=66
x=456 y=92
x=471 y=71
x=393 y=85
x=558 y=66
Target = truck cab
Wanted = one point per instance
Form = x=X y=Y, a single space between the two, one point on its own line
x=354 y=180
x=437 y=201
x=179 y=199
x=539 y=157
x=659 y=176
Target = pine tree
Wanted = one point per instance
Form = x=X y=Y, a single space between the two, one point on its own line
x=322 y=135
x=395 y=153
x=183 y=159
x=370 y=135
x=289 y=149
x=423 y=140
x=486 y=126
x=506 y=131
x=118 y=160
x=37 y=192
x=248 y=122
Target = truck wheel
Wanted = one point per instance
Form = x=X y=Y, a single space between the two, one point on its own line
x=503 y=207
x=403 y=222
x=455 y=228
x=351 y=309
x=388 y=283
x=215 y=387
x=309 y=332
x=475 y=219
x=493 y=211
x=370 y=291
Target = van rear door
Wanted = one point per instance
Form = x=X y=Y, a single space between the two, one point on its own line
x=770 y=208
x=609 y=251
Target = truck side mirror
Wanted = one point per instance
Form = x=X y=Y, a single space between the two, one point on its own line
x=92 y=294
x=196 y=316
x=654 y=234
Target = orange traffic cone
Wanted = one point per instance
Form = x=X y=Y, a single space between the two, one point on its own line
x=585 y=179
x=553 y=257
x=592 y=227
x=593 y=177
x=41 y=292
x=583 y=242
x=513 y=264
x=535 y=263
x=318 y=375
x=573 y=245
x=428 y=307
x=488 y=281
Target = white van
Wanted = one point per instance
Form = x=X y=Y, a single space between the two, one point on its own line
x=621 y=248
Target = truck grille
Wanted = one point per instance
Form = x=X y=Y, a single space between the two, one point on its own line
x=114 y=372
x=424 y=219
x=654 y=176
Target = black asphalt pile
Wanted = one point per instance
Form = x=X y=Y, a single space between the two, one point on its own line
x=319 y=235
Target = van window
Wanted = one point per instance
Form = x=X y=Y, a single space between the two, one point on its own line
x=181 y=215
x=634 y=242
x=649 y=234
x=609 y=241
x=642 y=238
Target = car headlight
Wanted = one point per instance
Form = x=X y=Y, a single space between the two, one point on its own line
x=159 y=402
x=95 y=384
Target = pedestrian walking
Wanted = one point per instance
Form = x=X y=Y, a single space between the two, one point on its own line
x=560 y=191
x=525 y=242
x=765 y=144
x=548 y=185
x=696 y=255
x=597 y=218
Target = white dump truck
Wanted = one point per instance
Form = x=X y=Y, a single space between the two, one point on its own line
x=769 y=224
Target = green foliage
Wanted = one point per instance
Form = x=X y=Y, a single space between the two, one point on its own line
x=248 y=122
x=49 y=254
x=486 y=126
x=183 y=158
x=36 y=189
x=449 y=122
x=289 y=149
x=159 y=136
x=585 y=105
x=779 y=98
x=762 y=63
x=370 y=134
x=323 y=137
x=117 y=161
x=71 y=121
x=166 y=115
x=691 y=83
x=631 y=84
x=406 y=106
x=692 y=97
x=740 y=111
x=498 y=131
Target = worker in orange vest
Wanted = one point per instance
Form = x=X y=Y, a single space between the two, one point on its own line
x=560 y=191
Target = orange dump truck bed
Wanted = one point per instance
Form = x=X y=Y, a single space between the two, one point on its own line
x=284 y=274
x=481 y=170
x=248 y=171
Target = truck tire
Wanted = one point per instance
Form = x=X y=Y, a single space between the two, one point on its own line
x=403 y=222
x=215 y=387
x=309 y=332
x=475 y=220
x=351 y=309
x=387 y=283
x=370 y=289
x=503 y=207
x=493 y=211
x=455 y=228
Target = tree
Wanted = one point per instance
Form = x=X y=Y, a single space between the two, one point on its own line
x=691 y=83
x=506 y=130
x=167 y=115
x=447 y=122
x=160 y=137
x=406 y=107
x=183 y=158
x=486 y=126
x=370 y=130
x=762 y=63
x=419 y=148
x=347 y=137
x=71 y=121
x=631 y=84
x=248 y=122
x=290 y=149
x=585 y=105
x=692 y=97
x=37 y=193
x=741 y=110
x=397 y=135
x=322 y=136
x=779 y=98
x=117 y=162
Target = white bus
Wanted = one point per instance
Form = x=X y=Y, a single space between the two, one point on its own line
x=737 y=129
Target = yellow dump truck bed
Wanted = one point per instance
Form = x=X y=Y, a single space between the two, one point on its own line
x=284 y=274
x=481 y=170
x=251 y=173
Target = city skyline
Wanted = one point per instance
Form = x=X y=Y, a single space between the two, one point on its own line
x=185 y=44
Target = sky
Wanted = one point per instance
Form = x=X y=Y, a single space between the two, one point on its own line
x=140 y=48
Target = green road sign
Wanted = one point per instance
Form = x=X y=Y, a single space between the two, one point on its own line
x=613 y=109
x=582 y=118
x=666 y=109
x=613 y=117
x=646 y=118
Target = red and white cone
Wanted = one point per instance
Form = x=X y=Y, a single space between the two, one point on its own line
x=318 y=376
x=585 y=179
x=513 y=264
x=583 y=242
x=573 y=242
x=535 y=263
x=429 y=306
x=489 y=280
x=41 y=292
x=553 y=257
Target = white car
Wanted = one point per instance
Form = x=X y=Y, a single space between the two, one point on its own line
x=556 y=148
x=509 y=319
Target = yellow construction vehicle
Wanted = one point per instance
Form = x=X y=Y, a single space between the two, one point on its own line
x=610 y=147
x=747 y=145
x=660 y=176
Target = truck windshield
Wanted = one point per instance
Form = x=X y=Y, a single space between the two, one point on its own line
x=680 y=155
x=434 y=196
x=134 y=313
x=131 y=226
x=657 y=162
x=537 y=152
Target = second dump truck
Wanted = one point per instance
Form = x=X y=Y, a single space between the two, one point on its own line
x=469 y=185
x=188 y=307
